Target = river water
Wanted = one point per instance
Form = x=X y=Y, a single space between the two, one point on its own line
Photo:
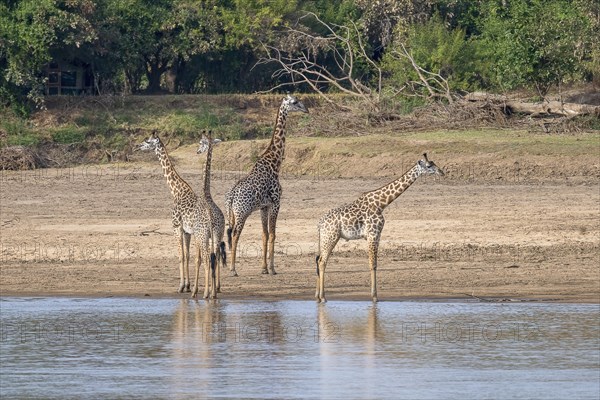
x=172 y=348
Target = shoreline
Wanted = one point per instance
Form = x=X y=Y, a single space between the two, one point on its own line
x=574 y=299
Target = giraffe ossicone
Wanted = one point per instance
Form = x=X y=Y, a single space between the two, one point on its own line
x=363 y=219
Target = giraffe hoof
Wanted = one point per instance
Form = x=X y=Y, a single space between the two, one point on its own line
x=180 y=290
x=233 y=273
x=187 y=288
x=265 y=272
x=375 y=299
x=273 y=271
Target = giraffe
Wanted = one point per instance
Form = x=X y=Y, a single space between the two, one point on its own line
x=190 y=216
x=216 y=215
x=261 y=189
x=363 y=219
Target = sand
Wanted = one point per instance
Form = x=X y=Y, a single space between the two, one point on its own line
x=105 y=230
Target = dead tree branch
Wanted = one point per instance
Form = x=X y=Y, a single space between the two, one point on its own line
x=300 y=54
x=436 y=85
x=539 y=109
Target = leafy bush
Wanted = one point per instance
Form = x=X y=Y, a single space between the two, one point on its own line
x=68 y=135
x=18 y=133
x=434 y=48
x=535 y=43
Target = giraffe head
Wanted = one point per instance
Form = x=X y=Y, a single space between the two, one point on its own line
x=206 y=141
x=429 y=167
x=293 y=104
x=152 y=143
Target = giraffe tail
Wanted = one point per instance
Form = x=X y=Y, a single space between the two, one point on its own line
x=317 y=259
x=213 y=264
x=229 y=230
x=223 y=253
x=230 y=217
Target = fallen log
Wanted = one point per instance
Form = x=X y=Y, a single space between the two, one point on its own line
x=543 y=108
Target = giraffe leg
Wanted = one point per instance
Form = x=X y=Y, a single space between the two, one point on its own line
x=324 y=253
x=236 y=232
x=186 y=243
x=214 y=258
x=229 y=233
x=322 y=263
x=373 y=245
x=180 y=244
x=213 y=275
x=264 y=218
x=208 y=276
x=197 y=271
x=222 y=263
x=218 y=266
x=274 y=211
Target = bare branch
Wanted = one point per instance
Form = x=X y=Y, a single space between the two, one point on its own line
x=435 y=84
x=299 y=57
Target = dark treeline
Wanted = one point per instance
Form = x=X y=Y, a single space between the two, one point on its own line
x=211 y=46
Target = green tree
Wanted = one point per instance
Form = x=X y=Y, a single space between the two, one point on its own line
x=535 y=43
x=435 y=48
x=245 y=26
x=31 y=32
x=160 y=36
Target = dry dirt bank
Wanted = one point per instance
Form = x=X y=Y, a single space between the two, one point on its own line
x=105 y=230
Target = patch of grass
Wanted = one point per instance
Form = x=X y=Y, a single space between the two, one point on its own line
x=18 y=133
x=187 y=123
x=232 y=132
x=14 y=127
x=68 y=134
x=590 y=122
x=401 y=105
x=116 y=142
x=28 y=139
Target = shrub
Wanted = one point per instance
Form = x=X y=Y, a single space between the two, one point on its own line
x=434 y=48
x=68 y=135
x=535 y=43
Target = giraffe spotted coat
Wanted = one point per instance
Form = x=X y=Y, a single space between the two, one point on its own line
x=217 y=220
x=261 y=190
x=363 y=219
x=190 y=216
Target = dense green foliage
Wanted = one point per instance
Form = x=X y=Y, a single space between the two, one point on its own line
x=539 y=42
x=208 y=46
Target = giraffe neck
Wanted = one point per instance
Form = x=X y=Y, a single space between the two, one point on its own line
x=207 y=165
x=178 y=186
x=383 y=196
x=275 y=152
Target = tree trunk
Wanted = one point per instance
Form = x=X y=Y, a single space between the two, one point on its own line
x=535 y=109
x=154 y=73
